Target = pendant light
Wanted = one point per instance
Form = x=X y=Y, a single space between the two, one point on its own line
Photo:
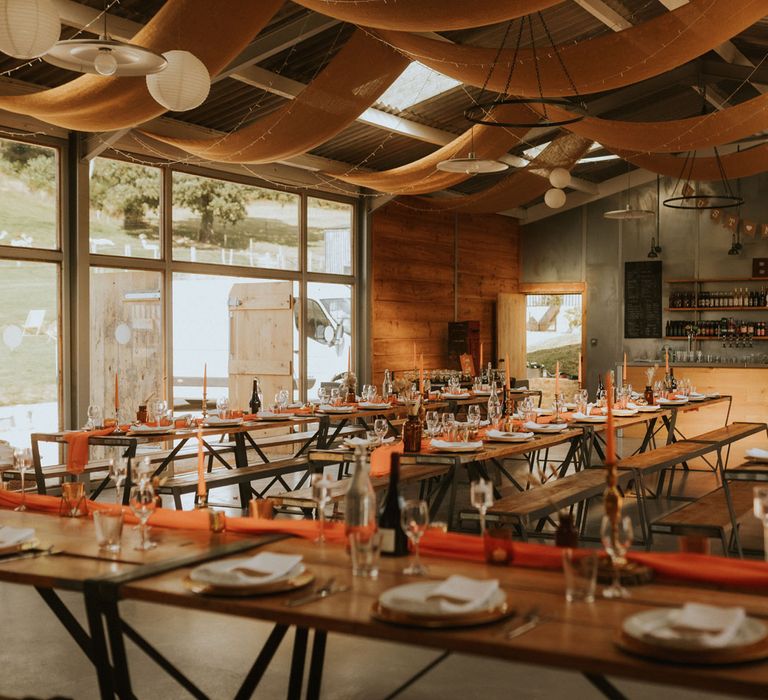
x=629 y=212
x=28 y=28
x=471 y=165
x=105 y=56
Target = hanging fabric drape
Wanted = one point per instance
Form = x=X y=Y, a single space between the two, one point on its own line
x=421 y=176
x=740 y=164
x=95 y=103
x=426 y=15
x=605 y=62
x=355 y=77
x=522 y=186
x=730 y=124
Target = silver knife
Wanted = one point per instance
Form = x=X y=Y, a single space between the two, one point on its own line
x=316 y=595
x=532 y=621
x=30 y=555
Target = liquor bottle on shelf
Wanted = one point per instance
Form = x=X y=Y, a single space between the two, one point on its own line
x=256 y=401
x=394 y=541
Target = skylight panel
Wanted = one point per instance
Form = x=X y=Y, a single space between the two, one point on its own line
x=416 y=84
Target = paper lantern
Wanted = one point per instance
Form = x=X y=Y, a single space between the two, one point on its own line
x=554 y=198
x=28 y=28
x=183 y=84
x=560 y=178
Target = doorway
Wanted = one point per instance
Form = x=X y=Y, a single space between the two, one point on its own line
x=554 y=325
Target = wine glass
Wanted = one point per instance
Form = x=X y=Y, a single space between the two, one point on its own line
x=433 y=422
x=321 y=496
x=22 y=460
x=335 y=396
x=322 y=394
x=381 y=428
x=94 y=417
x=473 y=416
x=142 y=502
x=157 y=410
x=282 y=398
x=448 y=422
x=481 y=498
x=414 y=518
x=222 y=407
x=118 y=470
x=616 y=544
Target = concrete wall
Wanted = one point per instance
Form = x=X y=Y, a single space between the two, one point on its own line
x=580 y=245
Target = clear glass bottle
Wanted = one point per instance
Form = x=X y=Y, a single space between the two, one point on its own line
x=387 y=388
x=360 y=512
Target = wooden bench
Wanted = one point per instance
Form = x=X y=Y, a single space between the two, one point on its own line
x=539 y=502
x=55 y=471
x=709 y=516
x=302 y=498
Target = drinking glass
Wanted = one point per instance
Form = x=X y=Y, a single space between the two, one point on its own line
x=22 y=460
x=494 y=413
x=321 y=496
x=109 y=529
x=580 y=577
x=141 y=470
x=118 y=470
x=448 y=421
x=581 y=399
x=142 y=503
x=414 y=518
x=94 y=417
x=222 y=407
x=322 y=394
x=473 y=416
x=158 y=409
x=372 y=438
x=760 y=508
x=381 y=427
x=433 y=422
x=335 y=396
x=481 y=498
x=616 y=546
x=282 y=398
x=365 y=548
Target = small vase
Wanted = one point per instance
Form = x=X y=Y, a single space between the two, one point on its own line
x=412 y=434
x=648 y=395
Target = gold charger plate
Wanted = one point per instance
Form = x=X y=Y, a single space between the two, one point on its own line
x=288 y=584
x=34 y=543
x=481 y=617
x=704 y=657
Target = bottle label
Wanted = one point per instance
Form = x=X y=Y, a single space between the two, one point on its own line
x=387 y=540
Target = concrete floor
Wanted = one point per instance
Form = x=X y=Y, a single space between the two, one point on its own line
x=38 y=659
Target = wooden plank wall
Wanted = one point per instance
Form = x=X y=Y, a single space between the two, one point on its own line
x=414 y=261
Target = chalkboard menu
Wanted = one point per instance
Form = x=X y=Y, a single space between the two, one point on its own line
x=642 y=299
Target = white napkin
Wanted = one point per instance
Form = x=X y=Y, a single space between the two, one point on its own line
x=504 y=434
x=12 y=536
x=335 y=409
x=580 y=416
x=699 y=626
x=757 y=454
x=456 y=594
x=261 y=569
x=448 y=445
x=545 y=427
x=448 y=395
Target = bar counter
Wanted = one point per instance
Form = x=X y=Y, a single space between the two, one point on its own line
x=748 y=388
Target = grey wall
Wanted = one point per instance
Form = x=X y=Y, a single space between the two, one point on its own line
x=580 y=245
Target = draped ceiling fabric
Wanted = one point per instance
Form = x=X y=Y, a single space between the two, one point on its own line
x=730 y=124
x=421 y=176
x=735 y=165
x=605 y=62
x=522 y=186
x=95 y=103
x=426 y=15
x=354 y=78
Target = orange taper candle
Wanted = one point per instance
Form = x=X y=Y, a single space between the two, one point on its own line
x=421 y=374
x=506 y=371
x=117 y=395
x=579 y=369
x=481 y=357
x=624 y=376
x=557 y=378
x=666 y=357
x=200 y=464
x=610 y=447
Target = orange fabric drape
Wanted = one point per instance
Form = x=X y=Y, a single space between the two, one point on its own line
x=77 y=448
x=94 y=103
x=421 y=176
x=605 y=62
x=355 y=77
x=522 y=186
x=740 y=164
x=426 y=15
x=676 y=135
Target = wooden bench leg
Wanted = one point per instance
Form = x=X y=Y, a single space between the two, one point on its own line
x=729 y=503
x=642 y=512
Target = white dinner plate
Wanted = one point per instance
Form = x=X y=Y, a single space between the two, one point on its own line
x=327 y=408
x=216 y=422
x=396 y=599
x=636 y=626
x=697 y=397
x=274 y=416
x=648 y=409
x=457 y=396
x=546 y=427
x=624 y=412
x=371 y=406
x=355 y=441
x=207 y=573
x=151 y=429
x=501 y=436
x=672 y=402
x=445 y=446
x=581 y=418
x=481 y=392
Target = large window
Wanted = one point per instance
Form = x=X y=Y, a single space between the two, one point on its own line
x=553 y=332
x=216 y=221
x=124 y=211
x=126 y=310
x=28 y=196
x=29 y=349
x=328 y=329
x=329 y=236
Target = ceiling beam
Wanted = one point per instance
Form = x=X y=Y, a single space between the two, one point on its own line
x=73 y=14
x=605 y=13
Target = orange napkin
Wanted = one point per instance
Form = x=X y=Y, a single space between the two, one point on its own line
x=334 y=531
x=381 y=457
x=77 y=452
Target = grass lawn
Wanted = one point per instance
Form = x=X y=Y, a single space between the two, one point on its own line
x=567 y=355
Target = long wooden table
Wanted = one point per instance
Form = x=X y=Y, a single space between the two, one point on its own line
x=577 y=637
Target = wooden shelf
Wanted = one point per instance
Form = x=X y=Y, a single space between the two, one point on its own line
x=709 y=337
x=718 y=309
x=721 y=279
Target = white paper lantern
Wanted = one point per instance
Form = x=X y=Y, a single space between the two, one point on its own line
x=28 y=28
x=554 y=198
x=183 y=84
x=560 y=178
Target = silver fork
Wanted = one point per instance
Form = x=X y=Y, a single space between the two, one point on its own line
x=319 y=593
x=525 y=623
